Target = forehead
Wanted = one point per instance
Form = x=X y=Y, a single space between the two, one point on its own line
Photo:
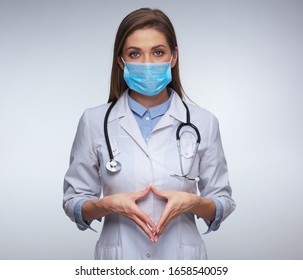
x=145 y=38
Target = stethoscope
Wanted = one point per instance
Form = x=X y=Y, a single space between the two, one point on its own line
x=113 y=166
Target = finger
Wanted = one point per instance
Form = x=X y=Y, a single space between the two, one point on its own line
x=144 y=217
x=142 y=194
x=159 y=193
x=145 y=227
x=166 y=217
x=161 y=231
x=135 y=214
x=133 y=209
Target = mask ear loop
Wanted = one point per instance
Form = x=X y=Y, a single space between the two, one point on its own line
x=124 y=63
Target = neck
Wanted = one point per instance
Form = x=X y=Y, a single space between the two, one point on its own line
x=150 y=101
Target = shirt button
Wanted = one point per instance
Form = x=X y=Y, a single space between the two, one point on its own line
x=147 y=118
x=148 y=256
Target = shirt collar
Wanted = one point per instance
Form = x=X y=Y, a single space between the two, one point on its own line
x=155 y=111
x=176 y=109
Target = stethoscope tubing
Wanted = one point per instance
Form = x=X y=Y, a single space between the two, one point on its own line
x=188 y=123
x=114 y=166
x=109 y=147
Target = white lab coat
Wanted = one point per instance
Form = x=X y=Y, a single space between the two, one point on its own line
x=144 y=164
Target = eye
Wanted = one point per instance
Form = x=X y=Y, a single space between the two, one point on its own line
x=159 y=53
x=134 y=54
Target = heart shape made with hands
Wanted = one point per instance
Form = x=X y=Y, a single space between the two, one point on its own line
x=177 y=203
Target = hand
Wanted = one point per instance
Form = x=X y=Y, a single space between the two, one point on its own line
x=125 y=204
x=177 y=204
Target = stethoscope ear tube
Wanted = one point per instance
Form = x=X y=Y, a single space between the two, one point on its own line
x=188 y=123
x=113 y=165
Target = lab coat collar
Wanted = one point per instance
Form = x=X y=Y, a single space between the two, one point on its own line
x=176 y=109
x=120 y=109
x=128 y=122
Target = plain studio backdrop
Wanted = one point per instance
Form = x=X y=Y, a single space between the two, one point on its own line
x=242 y=60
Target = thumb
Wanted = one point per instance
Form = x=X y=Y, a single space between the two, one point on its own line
x=143 y=193
x=158 y=192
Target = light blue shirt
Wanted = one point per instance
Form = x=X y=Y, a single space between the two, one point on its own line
x=147 y=118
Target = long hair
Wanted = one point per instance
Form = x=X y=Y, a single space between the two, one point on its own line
x=140 y=19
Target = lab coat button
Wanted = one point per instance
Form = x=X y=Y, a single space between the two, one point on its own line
x=148 y=256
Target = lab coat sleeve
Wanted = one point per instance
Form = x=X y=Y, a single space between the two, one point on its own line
x=214 y=180
x=83 y=225
x=82 y=177
x=215 y=224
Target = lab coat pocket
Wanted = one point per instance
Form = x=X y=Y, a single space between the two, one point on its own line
x=187 y=152
x=192 y=252
x=187 y=149
x=108 y=253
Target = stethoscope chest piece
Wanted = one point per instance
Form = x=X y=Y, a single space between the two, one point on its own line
x=113 y=166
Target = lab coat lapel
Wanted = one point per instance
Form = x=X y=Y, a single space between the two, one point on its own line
x=176 y=111
x=127 y=121
x=130 y=125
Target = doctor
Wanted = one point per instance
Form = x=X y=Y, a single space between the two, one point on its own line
x=126 y=164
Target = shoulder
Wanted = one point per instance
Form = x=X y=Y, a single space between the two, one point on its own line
x=98 y=112
x=205 y=121
x=200 y=114
x=202 y=118
x=91 y=121
x=94 y=115
x=196 y=109
x=95 y=112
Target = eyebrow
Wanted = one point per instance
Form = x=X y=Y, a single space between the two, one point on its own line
x=153 y=48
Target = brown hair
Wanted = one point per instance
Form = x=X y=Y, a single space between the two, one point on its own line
x=139 y=19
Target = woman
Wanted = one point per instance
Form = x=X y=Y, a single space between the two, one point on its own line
x=126 y=165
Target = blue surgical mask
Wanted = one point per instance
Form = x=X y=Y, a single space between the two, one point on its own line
x=147 y=78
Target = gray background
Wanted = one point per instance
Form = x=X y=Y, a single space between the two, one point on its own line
x=242 y=60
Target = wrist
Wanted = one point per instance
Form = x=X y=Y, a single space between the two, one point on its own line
x=104 y=205
x=204 y=208
x=196 y=202
x=94 y=209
